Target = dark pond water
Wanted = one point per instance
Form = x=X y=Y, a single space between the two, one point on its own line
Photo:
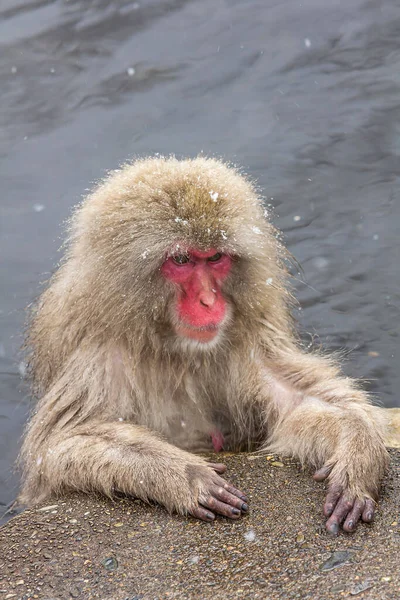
x=304 y=94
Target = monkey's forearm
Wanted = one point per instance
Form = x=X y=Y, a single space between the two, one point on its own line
x=115 y=457
x=297 y=379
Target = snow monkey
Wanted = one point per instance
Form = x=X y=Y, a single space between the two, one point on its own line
x=165 y=333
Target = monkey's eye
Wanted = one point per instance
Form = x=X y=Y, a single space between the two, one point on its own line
x=181 y=259
x=215 y=258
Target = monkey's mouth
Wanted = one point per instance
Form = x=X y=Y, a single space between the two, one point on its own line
x=206 y=333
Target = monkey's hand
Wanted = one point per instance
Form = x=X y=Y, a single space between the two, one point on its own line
x=342 y=507
x=215 y=495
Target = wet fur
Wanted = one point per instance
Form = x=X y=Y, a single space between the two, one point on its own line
x=124 y=404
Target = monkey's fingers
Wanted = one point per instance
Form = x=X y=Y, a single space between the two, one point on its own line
x=331 y=500
x=203 y=514
x=354 y=516
x=218 y=467
x=222 y=494
x=364 y=509
x=339 y=514
x=342 y=509
x=369 y=510
x=221 y=508
x=230 y=488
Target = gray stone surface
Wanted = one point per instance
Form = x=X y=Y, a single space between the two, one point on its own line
x=88 y=548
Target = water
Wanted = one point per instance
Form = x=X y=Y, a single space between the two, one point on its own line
x=304 y=94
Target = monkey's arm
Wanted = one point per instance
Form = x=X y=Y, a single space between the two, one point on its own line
x=74 y=444
x=323 y=419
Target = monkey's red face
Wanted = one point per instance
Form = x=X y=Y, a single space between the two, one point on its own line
x=201 y=306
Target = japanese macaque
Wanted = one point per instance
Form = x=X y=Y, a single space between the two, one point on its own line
x=166 y=332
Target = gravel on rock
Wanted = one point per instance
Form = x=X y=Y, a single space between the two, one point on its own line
x=87 y=547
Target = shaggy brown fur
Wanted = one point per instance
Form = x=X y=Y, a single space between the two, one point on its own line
x=123 y=402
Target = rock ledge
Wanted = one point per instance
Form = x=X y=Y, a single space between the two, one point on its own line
x=82 y=547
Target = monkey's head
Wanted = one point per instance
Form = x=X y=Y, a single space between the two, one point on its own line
x=176 y=250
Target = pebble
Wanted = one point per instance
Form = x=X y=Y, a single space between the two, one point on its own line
x=110 y=563
x=340 y=587
x=336 y=559
x=46 y=508
x=276 y=463
x=361 y=587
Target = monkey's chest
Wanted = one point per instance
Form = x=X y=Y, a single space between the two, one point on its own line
x=197 y=436
x=195 y=428
x=189 y=416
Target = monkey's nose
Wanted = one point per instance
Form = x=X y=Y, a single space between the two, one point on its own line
x=207 y=298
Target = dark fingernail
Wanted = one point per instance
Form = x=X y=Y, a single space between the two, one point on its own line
x=245 y=507
x=235 y=511
x=333 y=529
x=210 y=516
x=243 y=498
x=350 y=524
x=369 y=516
x=328 y=510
